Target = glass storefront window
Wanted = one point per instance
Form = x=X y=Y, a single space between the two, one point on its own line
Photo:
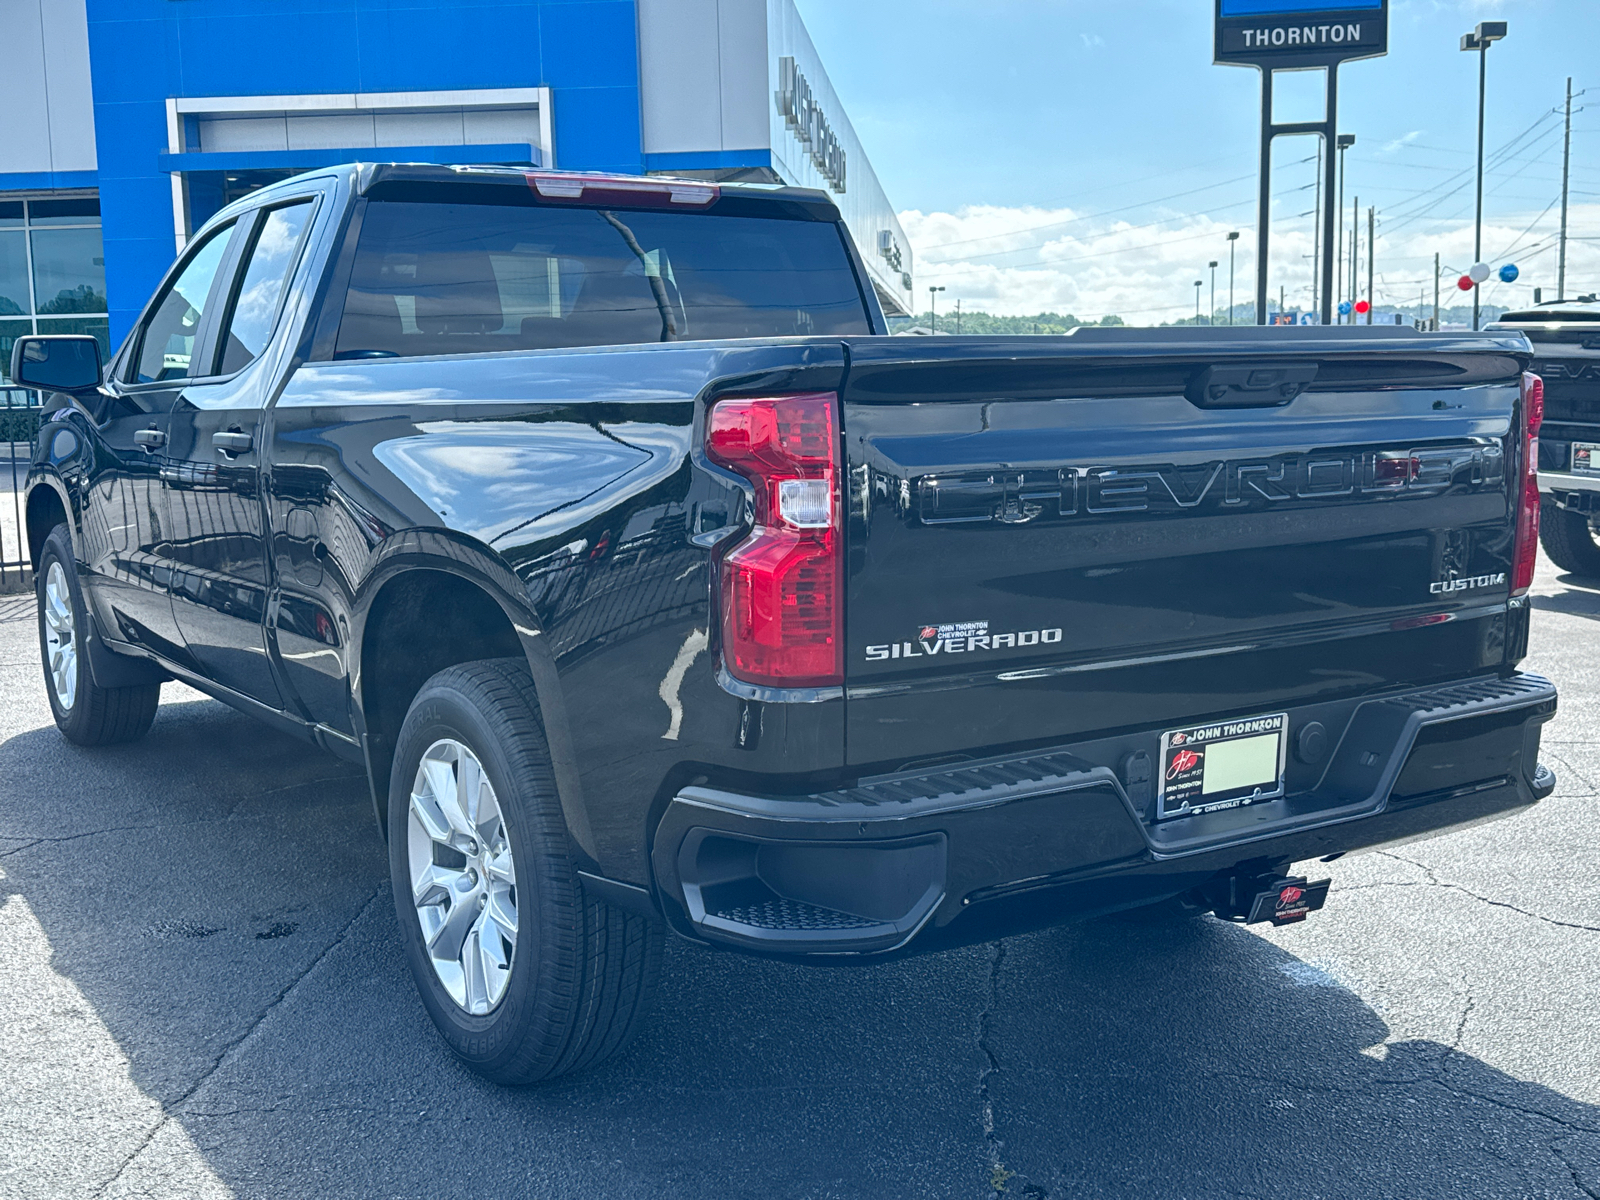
x=14 y=300
x=69 y=271
x=78 y=210
x=10 y=331
x=98 y=328
x=52 y=274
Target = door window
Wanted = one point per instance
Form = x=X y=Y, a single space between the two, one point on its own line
x=166 y=346
x=271 y=259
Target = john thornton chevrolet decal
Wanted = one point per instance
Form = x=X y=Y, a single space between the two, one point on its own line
x=962 y=637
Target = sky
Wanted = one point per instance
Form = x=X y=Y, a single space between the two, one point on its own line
x=1088 y=157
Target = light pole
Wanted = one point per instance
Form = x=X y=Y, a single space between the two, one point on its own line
x=1344 y=141
x=1480 y=39
x=1211 y=319
x=1232 y=239
x=933 y=308
x=1198 y=284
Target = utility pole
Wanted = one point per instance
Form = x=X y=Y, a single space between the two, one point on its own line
x=1372 y=248
x=1566 y=169
x=1480 y=39
x=1282 y=305
x=1436 y=292
x=1198 y=284
x=1344 y=142
x=1233 y=239
x=1212 y=319
x=1355 y=252
x=1316 y=234
x=933 y=308
x=958 y=318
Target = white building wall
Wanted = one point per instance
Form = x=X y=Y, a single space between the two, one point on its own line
x=865 y=207
x=709 y=76
x=44 y=87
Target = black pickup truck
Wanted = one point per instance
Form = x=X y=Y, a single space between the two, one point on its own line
x=658 y=589
x=1566 y=346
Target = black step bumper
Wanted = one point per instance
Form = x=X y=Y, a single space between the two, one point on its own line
x=980 y=850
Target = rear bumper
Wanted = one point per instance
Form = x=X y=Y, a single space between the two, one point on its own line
x=1554 y=483
x=968 y=853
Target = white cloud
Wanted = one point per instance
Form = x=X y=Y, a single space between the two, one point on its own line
x=1092 y=41
x=1400 y=143
x=1023 y=260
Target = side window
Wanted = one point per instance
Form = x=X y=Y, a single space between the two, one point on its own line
x=166 y=344
x=266 y=272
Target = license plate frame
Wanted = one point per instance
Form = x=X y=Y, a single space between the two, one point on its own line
x=1586 y=458
x=1246 y=771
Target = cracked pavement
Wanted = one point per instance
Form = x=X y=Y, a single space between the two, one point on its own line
x=202 y=997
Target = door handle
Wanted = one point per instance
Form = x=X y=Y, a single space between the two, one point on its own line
x=149 y=438
x=232 y=442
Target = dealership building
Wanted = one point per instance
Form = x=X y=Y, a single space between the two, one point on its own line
x=130 y=122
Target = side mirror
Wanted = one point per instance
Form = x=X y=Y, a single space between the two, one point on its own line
x=67 y=362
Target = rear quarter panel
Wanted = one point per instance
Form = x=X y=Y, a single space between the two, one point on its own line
x=575 y=472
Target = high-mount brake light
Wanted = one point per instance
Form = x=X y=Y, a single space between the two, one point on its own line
x=621 y=189
x=782 y=604
x=1526 y=547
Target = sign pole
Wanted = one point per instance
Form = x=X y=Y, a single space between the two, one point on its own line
x=1264 y=197
x=1295 y=35
x=1328 y=178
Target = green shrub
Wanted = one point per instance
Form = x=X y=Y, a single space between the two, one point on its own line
x=18 y=424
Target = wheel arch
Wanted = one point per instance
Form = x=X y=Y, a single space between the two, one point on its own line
x=48 y=505
x=434 y=600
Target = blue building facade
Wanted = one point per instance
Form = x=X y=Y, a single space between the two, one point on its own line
x=149 y=115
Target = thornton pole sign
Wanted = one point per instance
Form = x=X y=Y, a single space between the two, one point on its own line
x=1293 y=35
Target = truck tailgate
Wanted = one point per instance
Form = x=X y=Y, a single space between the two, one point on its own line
x=1049 y=540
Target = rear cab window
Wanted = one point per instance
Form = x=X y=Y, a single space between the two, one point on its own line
x=463 y=278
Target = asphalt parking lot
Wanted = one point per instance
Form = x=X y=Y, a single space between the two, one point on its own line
x=200 y=995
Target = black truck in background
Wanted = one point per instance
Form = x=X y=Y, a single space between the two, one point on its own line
x=1566 y=347
x=658 y=589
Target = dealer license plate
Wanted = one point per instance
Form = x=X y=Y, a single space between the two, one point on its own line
x=1223 y=765
x=1586 y=456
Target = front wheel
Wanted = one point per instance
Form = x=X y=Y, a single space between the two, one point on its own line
x=1568 y=538
x=85 y=712
x=525 y=975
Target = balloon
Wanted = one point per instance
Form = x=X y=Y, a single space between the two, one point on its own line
x=1362 y=306
x=1465 y=283
x=1479 y=272
x=1509 y=273
x=1344 y=308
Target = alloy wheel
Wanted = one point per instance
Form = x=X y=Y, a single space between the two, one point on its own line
x=463 y=880
x=60 y=637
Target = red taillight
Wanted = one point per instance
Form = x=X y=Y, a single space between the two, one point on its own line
x=782 y=611
x=1526 y=551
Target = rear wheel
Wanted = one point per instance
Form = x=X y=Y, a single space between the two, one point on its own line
x=1568 y=538
x=525 y=975
x=85 y=712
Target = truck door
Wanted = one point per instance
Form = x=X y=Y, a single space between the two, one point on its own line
x=126 y=534
x=213 y=478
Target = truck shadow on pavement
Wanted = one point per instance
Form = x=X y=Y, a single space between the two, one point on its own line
x=1578 y=596
x=218 y=894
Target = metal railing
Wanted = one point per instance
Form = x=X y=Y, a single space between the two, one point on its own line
x=18 y=420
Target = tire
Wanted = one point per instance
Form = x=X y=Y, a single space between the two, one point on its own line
x=1569 y=540
x=573 y=984
x=85 y=712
